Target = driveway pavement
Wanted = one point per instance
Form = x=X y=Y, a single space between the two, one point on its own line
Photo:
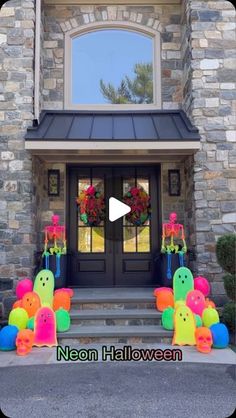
x=118 y=390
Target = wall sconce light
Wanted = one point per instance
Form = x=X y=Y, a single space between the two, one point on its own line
x=174 y=182
x=53 y=182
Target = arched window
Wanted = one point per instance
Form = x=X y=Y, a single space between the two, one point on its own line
x=116 y=67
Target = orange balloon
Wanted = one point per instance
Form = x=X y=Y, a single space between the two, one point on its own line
x=61 y=300
x=164 y=299
x=17 y=304
x=209 y=302
x=31 y=303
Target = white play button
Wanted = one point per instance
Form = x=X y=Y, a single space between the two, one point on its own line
x=117 y=209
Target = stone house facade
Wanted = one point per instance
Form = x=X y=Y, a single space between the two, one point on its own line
x=197 y=60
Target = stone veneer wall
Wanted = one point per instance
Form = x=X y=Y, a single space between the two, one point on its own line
x=16 y=114
x=211 y=105
x=60 y=19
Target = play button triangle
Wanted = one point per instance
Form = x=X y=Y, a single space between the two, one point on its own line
x=117 y=209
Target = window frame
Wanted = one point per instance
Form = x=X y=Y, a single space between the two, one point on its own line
x=93 y=27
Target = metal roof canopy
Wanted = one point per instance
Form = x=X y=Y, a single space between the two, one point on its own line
x=112 y=126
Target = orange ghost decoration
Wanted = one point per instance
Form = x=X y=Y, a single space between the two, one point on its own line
x=17 y=304
x=203 y=339
x=24 y=342
x=61 y=300
x=31 y=303
x=164 y=298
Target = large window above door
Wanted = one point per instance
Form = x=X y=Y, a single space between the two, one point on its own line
x=112 y=67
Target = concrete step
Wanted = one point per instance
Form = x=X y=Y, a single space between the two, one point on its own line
x=113 y=298
x=114 y=334
x=111 y=317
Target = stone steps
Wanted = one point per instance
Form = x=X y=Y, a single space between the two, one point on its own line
x=111 y=317
x=114 y=334
x=114 y=315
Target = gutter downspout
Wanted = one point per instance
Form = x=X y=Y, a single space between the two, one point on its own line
x=37 y=59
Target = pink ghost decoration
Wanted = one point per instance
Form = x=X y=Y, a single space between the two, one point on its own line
x=196 y=301
x=202 y=284
x=45 y=328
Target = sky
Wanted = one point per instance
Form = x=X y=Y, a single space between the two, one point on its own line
x=106 y=54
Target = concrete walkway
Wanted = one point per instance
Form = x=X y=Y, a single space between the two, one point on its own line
x=48 y=355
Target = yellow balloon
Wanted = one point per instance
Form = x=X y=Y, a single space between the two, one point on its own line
x=19 y=318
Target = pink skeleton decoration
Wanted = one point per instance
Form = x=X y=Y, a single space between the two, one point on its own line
x=173 y=231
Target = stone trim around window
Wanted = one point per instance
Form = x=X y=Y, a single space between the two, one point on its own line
x=135 y=27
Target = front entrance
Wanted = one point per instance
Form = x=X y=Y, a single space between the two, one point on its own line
x=118 y=253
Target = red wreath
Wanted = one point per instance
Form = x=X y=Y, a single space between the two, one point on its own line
x=139 y=201
x=91 y=205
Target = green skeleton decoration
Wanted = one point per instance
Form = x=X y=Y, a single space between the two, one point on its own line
x=182 y=283
x=44 y=287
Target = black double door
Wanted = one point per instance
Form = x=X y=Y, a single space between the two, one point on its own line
x=114 y=253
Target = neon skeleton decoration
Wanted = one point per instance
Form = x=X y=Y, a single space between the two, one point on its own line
x=54 y=233
x=173 y=231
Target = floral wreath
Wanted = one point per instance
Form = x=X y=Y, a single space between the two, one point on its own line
x=139 y=201
x=91 y=205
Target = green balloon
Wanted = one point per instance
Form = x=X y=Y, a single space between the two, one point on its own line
x=167 y=318
x=62 y=320
x=30 y=323
x=18 y=317
x=182 y=283
x=198 y=320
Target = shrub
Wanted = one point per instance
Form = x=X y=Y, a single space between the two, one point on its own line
x=228 y=316
x=225 y=252
x=230 y=286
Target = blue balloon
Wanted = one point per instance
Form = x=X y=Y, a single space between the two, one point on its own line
x=8 y=336
x=220 y=335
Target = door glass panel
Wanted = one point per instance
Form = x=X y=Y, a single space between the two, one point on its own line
x=129 y=239
x=143 y=239
x=90 y=239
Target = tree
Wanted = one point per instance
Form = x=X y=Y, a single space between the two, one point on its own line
x=137 y=90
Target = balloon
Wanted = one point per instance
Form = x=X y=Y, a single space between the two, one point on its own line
x=44 y=286
x=167 y=318
x=19 y=318
x=23 y=286
x=164 y=298
x=196 y=301
x=198 y=321
x=203 y=340
x=31 y=303
x=63 y=320
x=17 y=304
x=8 y=336
x=182 y=283
x=61 y=300
x=210 y=302
x=24 y=342
x=220 y=335
x=30 y=323
x=202 y=284
x=45 y=328
x=210 y=316
x=184 y=325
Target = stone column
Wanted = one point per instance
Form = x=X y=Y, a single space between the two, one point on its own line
x=17 y=19
x=212 y=109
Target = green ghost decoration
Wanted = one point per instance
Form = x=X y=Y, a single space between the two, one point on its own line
x=62 y=320
x=167 y=318
x=30 y=323
x=44 y=286
x=182 y=283
x=198 y=320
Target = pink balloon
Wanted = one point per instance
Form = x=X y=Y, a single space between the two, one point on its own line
x=23 y=286
x=196 y=301
x=202 y=284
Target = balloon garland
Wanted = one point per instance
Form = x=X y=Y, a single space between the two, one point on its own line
x=91 y=205
x=139 y=201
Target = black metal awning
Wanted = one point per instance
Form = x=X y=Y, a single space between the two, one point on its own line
x=145 y=125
